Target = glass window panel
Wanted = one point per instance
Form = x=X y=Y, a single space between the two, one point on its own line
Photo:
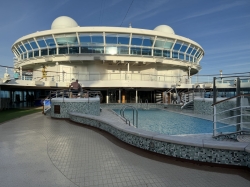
x=52 y=51
x=189 y=50
x=97 y=39
x=160 y=43
x=73 y=50
x=33 y=44
x=63 y=50
x=183 y=48
x=84 y=38
x=147 y=41
x=136 y=40
x=198 y=54
x=177 y=46
x=181 y=56
x=19 y=50
x=123 y=50
x=25 y=55
x=27 y=45
x=111 y=50
x=86 y=49
x=36 y=53
x=146 y=51
x=166 y=53
x=123 y=39
x=41 y=43
x=66 y=39
x=30 y=54
x=135 y=51
x=174 y=54
x=111 y=39
x=23 y=49
x=157 y=52
x=187 y=57
x=191 y=59
x=44 y=52
x=168 y=45
x=193 y=52
x=50 y=41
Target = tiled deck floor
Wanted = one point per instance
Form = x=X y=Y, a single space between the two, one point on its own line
x=39 y=151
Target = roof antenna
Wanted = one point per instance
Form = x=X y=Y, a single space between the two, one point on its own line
x=130 y=26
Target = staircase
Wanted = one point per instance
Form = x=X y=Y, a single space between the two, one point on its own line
x=158 y=96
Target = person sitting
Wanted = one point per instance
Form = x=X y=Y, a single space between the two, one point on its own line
x=75 y=88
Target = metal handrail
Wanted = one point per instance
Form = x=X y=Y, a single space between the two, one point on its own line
x=134 y=109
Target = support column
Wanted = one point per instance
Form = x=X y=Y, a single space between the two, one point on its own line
x=136 y=96
x=238 y=104
x=21 y=73
x=189 y=80
x=107 y=97
x=123 y=96
x=119 y=96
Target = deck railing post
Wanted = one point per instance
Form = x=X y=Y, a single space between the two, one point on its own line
x=214 y=122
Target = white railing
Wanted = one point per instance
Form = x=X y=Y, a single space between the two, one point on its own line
x=234 y=111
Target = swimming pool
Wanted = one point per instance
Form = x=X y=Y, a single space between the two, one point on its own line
x=171 y=123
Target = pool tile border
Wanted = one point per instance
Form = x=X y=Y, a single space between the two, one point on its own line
x=219 y=152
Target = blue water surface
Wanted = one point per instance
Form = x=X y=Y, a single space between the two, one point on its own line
x=170 y=123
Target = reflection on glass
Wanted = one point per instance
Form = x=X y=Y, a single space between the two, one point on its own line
x=111 y=39
x=177 y=46
x=19 y=50
x=183 y=48
x=136 y=40
x=23 y=49
x=66 y=39
x=123 y=50
x=111 y=50
x=147 y=41
x=193 y=52
x=73 y=50
x=84 y=38
x=123 y=39
x=146 y=51
x=97 y=38
x=166 y=53
x=30 y=54
x=50 y=41
x=174 y=55
x=189 y=50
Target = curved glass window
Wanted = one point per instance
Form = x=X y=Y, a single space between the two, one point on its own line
x=23 y=49
x=30 y=54
x=135 y=51
x=73 y=50
x=111 y=39
x=123 y=50
x=157 y=52
x=136 y=40
x=146 y=51
x=191 y=59
x=84 y=38
x=147 y=41
x=166 y=53
x=33 y=44
x=27 y=45
x=19 y=49
x=52 y=51
x=163 y=43
x=174 y=55
x=123 y=39
x=36 y=53
x=187 y=58
x=97 y=49
x=66 y=39
x=189 y=50
x=41 y=42
x=50 y=41
x=193 y=52
x=44 y=52
x=86 y=49
x=184 y=48
x=25 y=55
x=177 y=46
x=97 y=38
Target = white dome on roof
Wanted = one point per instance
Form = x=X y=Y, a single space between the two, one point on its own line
x=164 y=28
x=63 y=22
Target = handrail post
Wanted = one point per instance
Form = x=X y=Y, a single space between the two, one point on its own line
x=238 y=100
x=241 y=113
x=214 y=121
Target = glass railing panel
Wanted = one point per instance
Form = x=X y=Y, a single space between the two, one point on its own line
x=97 y=49
x=123 y=50
x=111 y=50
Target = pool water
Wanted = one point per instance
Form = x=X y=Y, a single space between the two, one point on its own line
x=171 y=123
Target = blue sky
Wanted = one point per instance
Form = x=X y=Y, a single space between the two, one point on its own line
x=221 y=27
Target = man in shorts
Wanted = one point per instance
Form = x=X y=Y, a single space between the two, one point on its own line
x=75 y=88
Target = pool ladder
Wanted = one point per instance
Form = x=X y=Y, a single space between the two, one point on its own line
x=127 y=120
x=146 y=104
